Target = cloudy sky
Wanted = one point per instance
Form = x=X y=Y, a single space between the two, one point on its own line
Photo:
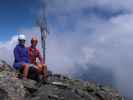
x=97 y=32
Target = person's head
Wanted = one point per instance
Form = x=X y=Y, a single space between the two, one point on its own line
x=34 y=42
x=21 y=39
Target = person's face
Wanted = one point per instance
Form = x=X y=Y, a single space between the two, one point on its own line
x=34 y=44
x=22 y=42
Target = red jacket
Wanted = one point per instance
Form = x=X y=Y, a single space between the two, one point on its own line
x=34 y=54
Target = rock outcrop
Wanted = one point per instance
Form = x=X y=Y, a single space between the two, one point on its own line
x=57 y=87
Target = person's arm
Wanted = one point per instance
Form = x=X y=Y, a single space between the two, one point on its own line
x=40 y=57
x=27 y=56
x=17 y=55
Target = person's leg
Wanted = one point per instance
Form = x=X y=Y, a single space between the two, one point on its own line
x=42 y=69
x=45 y=70
x=25 y=70
x=19 y=68
x=39 y=68
x=33 y=74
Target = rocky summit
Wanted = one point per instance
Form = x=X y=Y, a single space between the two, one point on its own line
x=57 y=87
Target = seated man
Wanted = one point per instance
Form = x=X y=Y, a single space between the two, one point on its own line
x=21 y=61
x=34 y=53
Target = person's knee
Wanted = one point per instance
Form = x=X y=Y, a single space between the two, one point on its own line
x=45 y=66
x=18 y=66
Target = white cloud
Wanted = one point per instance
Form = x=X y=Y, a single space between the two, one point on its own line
x=7 y=47
x=110 y=41
x=61 y=6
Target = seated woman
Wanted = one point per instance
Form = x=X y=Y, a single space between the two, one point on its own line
x=21 y=61
x=34 y=53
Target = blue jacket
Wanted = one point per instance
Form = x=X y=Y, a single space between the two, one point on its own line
x=21 y=55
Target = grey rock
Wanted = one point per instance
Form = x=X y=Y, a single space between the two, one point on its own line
x=57 y=87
